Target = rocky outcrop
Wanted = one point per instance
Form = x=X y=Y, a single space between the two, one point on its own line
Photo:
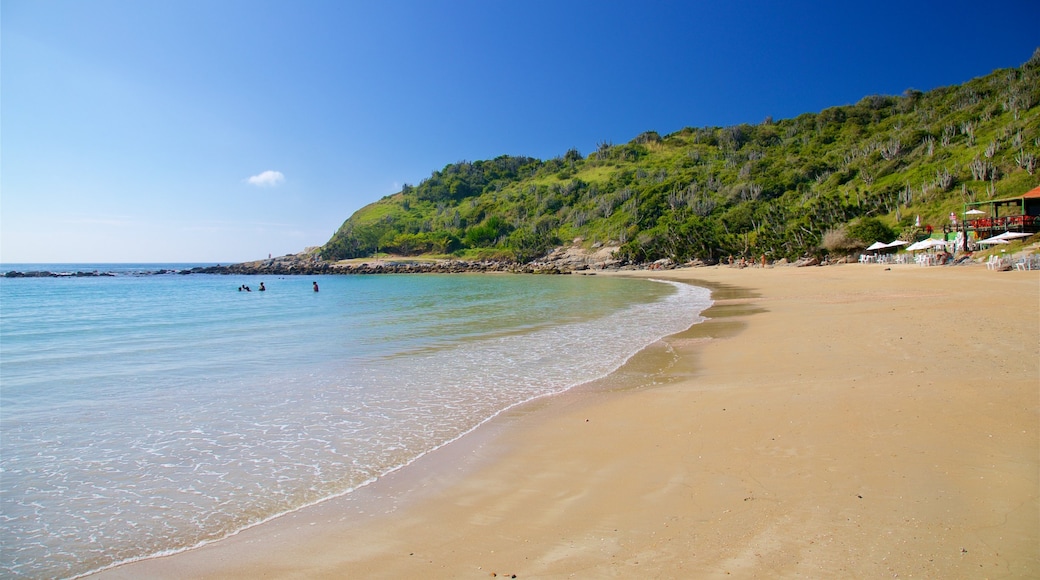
x=577 y=258
x=563 y=260
x=574 y=258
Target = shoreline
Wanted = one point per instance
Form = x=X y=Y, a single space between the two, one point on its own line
x=403 y=484
x=863 y=442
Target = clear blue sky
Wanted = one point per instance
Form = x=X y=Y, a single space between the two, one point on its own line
x=225 y=130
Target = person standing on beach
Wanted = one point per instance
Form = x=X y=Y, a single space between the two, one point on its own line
x=315 y=286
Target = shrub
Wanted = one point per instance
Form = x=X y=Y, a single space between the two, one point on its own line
x=869 y=230
x=837 y=241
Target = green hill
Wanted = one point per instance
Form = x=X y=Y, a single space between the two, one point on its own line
x=820 y=182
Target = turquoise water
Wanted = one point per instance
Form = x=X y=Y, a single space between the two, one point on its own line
x=142 y=415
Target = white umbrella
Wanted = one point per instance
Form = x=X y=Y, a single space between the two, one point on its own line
x=926 y=244
x=876 y=246
x=896 y=243
x=993 y=240
x=974 y=212
x=1012 y=235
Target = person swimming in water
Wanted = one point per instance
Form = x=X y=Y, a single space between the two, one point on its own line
x=262 y=289
x=315 y=286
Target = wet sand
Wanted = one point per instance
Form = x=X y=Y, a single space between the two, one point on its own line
x=857 y=420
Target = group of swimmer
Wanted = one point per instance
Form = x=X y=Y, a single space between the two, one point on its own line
x=244 y=288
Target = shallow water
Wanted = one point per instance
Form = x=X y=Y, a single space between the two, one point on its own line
x=148 y=414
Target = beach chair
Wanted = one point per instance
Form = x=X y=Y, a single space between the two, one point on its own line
x=1031 y=262
x=1000 y=263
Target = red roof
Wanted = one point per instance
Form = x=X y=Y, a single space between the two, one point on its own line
x=1032 y=193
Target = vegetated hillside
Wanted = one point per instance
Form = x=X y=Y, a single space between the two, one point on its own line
x=821 y=182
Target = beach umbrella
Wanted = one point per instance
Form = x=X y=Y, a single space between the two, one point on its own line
x=1012 y=235
x=876 y=246
x=926 y=244
x=974 y=211
x=991 y=241
x=897 y=243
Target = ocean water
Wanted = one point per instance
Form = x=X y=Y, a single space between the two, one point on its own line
x=142 y=415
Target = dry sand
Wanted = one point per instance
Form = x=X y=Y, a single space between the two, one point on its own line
x=846 y=421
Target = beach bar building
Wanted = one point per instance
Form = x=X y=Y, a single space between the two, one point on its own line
x=1014 y=214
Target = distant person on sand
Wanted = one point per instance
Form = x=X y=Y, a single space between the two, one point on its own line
x=315 y=286
x=262 y=289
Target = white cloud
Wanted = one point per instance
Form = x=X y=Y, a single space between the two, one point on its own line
x=267 y=179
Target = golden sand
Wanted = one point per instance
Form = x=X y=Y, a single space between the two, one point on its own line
x=843 y=421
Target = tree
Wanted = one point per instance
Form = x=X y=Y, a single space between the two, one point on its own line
x=526 y=245
x=869 y=230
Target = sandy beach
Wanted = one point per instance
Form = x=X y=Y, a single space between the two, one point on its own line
x=846 y=421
